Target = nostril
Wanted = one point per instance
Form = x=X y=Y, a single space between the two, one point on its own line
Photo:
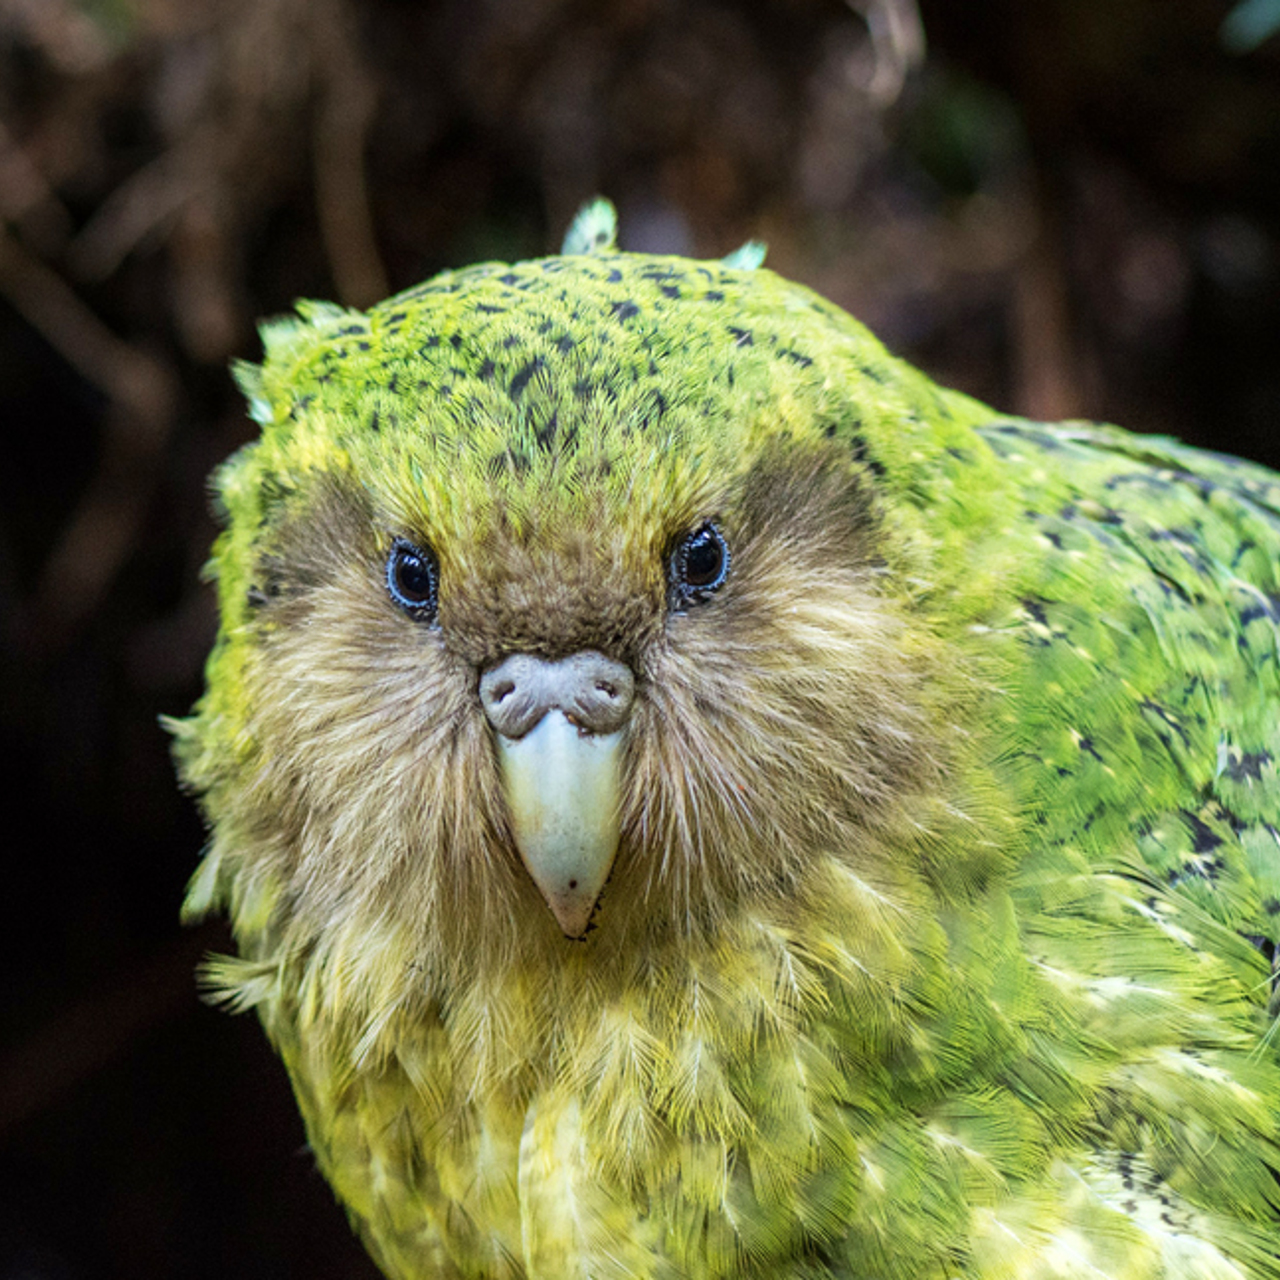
x=593 y=692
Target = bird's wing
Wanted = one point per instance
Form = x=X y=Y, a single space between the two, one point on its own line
x=1149 y=610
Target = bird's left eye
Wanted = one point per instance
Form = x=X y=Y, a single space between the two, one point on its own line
x=413 y=580
x=699 y=564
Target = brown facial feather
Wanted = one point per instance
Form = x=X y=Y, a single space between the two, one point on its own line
x=783 y=716
x=552 y=600
x=774 y=722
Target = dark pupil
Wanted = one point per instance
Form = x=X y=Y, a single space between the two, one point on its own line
x=413 y=577
x=703 y=559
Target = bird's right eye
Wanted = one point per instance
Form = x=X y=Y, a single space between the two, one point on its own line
x=413 y=580
x=699 y=564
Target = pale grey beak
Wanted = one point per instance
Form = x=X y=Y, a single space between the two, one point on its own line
x=560 y=732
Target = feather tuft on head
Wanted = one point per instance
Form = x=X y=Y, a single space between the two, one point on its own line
x=594 y=228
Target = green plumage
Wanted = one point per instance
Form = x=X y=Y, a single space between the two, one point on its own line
x=938 y=938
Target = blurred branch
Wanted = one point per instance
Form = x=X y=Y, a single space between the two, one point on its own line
x=261 y=76
x=897 y=39
x=134 y=209
x=143 y=392
x=27 y=201
x=1046 y=375
x=341 y=127
x=67 y=36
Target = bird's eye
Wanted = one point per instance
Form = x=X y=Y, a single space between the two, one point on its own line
x=413 y=580
x=699 y=564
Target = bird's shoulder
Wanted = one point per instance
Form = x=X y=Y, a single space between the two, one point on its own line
x=1144 y=603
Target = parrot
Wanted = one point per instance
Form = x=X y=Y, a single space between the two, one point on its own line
x=694 y=798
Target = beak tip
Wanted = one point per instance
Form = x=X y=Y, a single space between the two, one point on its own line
x=573 y=913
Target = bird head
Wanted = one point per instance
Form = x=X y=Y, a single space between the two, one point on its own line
x=559 y=609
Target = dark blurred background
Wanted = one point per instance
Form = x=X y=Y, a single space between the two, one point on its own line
x=1070 y=208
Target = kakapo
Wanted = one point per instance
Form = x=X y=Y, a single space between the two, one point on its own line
x=694 y=798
